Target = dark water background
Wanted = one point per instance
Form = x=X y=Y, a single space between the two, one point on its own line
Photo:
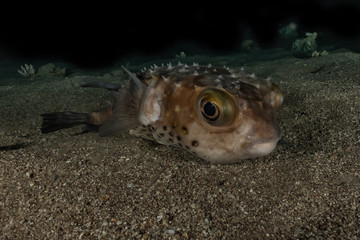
x=95 y=35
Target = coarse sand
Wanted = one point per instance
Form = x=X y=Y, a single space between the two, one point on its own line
x=65 y=185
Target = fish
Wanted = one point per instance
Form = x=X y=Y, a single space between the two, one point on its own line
x=220 y=114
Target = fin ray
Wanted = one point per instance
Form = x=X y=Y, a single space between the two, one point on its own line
x=126 y=108
x=61 y=120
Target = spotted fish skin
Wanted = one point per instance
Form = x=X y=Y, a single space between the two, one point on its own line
x=252 y=132
x=220 y=114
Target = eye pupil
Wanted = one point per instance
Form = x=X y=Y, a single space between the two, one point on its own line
x=216 y=107
x=209 y=109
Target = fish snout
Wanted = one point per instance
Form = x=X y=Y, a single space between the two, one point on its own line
x=263 y=147
x=265 y=141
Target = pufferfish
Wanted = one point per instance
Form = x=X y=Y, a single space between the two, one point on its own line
x=220 y=114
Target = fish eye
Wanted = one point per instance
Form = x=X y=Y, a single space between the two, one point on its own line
x=217 y=107
x=209 y=110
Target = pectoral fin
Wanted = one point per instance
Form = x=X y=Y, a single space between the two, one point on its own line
x=126 y=108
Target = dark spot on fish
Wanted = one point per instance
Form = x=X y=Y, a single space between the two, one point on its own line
x=194 y=153
x=178 y=138
x=180 y=144
x=171 y=140
x=161 y=135
x=171 y=134
x=187 y=147
x=152 y=128
x=195 y=143
x=164 y=128
x=184 y=130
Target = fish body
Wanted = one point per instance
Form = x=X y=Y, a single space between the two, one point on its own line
x=219 y=114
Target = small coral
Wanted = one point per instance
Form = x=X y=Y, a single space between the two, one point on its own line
x=289 y=31
x=27 y=71
x=288 y=34
x=181 y=55
x=249 y=45
x=305 y=47
x=318 y=54
x=50 y=70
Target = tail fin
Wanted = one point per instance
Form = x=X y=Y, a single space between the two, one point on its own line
x=60 y=120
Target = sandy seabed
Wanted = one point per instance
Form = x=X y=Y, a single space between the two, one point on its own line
x=67 y=186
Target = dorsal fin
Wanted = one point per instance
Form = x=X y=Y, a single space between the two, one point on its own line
x=136 y=80
x=126 y=107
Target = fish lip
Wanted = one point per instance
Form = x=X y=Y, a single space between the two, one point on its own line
x=263 y=147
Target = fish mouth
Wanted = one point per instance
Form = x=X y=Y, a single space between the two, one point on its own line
x=263 y=147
